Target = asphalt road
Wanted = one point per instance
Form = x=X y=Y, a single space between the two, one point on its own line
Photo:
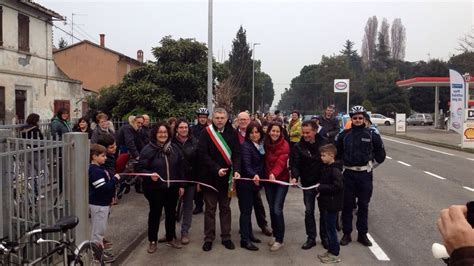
x=410 y=188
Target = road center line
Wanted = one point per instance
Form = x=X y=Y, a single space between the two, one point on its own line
x=377 y=250
x=435 y=175
x=388 y=157
x=419 y=146
x=468 y=188
x=400 y=162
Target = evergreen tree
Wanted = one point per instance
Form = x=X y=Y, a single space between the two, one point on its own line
x=240 y=68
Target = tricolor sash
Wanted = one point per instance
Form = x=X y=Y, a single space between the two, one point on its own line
x=224 y=150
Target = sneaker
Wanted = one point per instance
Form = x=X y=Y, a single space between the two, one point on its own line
x=276 y=246
x=174 y=244
x=152 y=247
x=107 y=244
x=364 y=240
x=271 y=242
x=345 y=240
x=325 y=254
x=330 y=259
x=107 y=257
x=184 y=240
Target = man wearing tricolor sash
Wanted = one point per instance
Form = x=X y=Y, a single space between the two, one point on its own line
x=219 y=151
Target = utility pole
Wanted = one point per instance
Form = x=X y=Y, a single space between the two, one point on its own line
x=209 y=60
x=253 y=77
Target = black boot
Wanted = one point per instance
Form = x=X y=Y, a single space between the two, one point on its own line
x=345 y=240
x=364 y=240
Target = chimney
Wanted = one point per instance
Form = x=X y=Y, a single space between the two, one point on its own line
x=140 y=56
x=102 y=40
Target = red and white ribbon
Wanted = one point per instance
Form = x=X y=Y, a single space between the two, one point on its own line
x=283 y=183
x=171 y=181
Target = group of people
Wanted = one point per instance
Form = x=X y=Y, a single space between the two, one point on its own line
x=249 y=157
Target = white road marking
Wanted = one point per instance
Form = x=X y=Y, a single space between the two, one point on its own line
x=419 y=146
x=470 y=159
x=377 y=250
x=468 y=188
x=435 y=175
x=400 y=162
x=388 y=157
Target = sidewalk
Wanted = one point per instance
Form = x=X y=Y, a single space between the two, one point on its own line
x=428 y=135
x=127 y=224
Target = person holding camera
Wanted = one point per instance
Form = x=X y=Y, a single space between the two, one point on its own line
x=456 y=227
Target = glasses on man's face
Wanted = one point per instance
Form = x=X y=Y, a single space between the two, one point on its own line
x=357 y=118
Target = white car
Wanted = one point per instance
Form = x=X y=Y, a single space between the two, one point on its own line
x=381 y=120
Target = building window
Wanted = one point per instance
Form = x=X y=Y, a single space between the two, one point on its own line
x=58 y=104
x=1 y=26
x=23 y=33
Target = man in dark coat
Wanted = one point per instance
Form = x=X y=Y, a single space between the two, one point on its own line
x=129 y=139
x=330 y=124
x=306 y=166
x=219 y=150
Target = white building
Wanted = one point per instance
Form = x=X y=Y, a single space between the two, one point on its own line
x=29 y=79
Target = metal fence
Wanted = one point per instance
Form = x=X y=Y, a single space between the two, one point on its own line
x=42 y=181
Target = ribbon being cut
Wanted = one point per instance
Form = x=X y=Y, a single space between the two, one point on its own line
x=213 y=188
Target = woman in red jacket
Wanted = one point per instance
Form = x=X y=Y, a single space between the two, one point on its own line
x=276 y=159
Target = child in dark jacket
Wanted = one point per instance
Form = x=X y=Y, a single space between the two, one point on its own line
x=330 y=200
x=101 y=192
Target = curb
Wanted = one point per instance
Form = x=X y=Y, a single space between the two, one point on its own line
x=128 y=250
x=434 y=143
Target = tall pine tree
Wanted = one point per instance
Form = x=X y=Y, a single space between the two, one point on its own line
x=240 y=66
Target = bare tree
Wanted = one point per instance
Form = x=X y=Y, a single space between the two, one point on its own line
x=384 y=30
x=368 y=42
x=224 y=94
x=466 y=43
x=398 y=39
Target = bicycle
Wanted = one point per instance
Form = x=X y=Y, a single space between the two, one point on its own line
x=86 y=253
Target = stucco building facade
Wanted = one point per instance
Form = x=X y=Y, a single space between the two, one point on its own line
x=29 y=79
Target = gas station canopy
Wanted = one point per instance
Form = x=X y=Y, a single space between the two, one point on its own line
x=435 y=82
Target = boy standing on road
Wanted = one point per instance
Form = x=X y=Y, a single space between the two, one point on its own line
x=330 y=200
x=101 y=192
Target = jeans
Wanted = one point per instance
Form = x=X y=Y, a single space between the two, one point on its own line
x=259 y=210
x=276 y=195
x=331 y=218
x=187 y=219
x=246 y=198
x=309 y=198
x=356 y=185
x=157 y=199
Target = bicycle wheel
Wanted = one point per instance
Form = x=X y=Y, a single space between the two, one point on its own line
x=89 y=254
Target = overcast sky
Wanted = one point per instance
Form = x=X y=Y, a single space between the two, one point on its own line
x=292 y=34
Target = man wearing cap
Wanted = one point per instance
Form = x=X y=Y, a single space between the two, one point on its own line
x=359 y=148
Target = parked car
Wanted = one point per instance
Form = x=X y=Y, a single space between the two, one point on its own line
x=420 y=119
x=381 y=119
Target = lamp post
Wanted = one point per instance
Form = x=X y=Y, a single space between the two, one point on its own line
x=253 y=77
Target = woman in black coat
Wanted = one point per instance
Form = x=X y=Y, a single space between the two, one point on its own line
x=252 y=153
x=164 y=159
x=188 y=145
x=83 y=126
x=31 y=130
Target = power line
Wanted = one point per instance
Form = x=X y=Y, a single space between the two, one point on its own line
x=66 y=32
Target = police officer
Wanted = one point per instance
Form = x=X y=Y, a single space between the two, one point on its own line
x=359 y=148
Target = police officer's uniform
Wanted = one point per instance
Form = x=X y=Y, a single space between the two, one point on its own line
x=359 y=148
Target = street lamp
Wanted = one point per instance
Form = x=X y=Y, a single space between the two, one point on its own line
x=253 y=77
